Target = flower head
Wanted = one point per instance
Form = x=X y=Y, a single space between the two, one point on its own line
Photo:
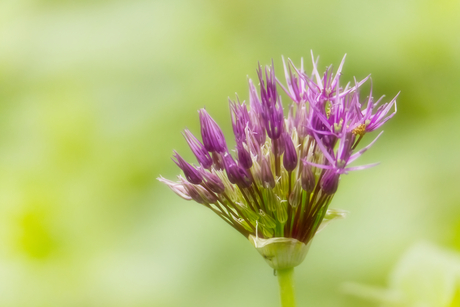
x=285 y=172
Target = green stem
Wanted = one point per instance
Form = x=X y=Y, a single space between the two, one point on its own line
x=286 y=282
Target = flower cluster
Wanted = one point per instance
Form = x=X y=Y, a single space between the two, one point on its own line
x=285 y=171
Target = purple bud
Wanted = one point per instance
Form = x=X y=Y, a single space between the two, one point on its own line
x=290 y=153
x=201 y=154
x=200 y=194
x=208 y=197
x=217 y=161
x=176 y=187
x=244 y=177
x=268 y=181
x=258 y=129
x=244 y=157
x=213 y=182
x=254 y=101
x=192 y=191
x=255 y=114
x=272 y=109
x=213 y=138
x=192 y=174
x=307 y=177
x=253 y=144
x=330 y=181
x=240 y=119
x=235 y=173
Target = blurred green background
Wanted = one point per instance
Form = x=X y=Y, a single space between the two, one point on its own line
x=93 y=98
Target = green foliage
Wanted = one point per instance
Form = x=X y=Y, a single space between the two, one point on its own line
x=426 y=275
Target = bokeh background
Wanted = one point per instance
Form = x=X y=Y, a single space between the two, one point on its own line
x=94 y=95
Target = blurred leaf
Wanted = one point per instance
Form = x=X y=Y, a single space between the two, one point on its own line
x=425 y=276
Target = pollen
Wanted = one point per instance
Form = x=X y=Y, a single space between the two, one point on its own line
x=360 y=130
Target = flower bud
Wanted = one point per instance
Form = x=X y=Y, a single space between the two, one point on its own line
x=236 y=174
x=217 y=161
x=273 y=201
x=213 y=182
x=213 y=138
x=267 y=220
x=255 y=115
x=296 y=195
x=249 y=213
x=208 y=197
x=272 y=109
x=330 y=181
x=281 y=212
x=240 y=119
x=307 y=177
x=302 y=121
x=176 y=187
x=245 y=224
x=190 y=172
x=290 y=153
x=193 y=192
x=244 y=157
x=252 y=142
x=201 y=154
x=268 y=232
x=268 y=181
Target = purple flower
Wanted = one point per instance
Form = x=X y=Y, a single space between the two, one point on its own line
x=192 y=174
x=201 y=154
x=240 y=119
x=296 y=82
x=301 y=121
x=285 y=171
x=199 y=194
x=290 y=153
x=330 y=181
x=217 y=161
x=213 y=138
x=266 y=175
x=307 y=177
x=255 y=114
x=235 y=173
x=272 y=109
x=213 y=182
x=244 y=157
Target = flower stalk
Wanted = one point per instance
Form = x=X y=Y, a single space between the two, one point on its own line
x=286 y=284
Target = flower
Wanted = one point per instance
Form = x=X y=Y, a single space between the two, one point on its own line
x=285 y=172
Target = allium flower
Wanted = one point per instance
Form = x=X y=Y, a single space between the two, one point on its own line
x=277 y=188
